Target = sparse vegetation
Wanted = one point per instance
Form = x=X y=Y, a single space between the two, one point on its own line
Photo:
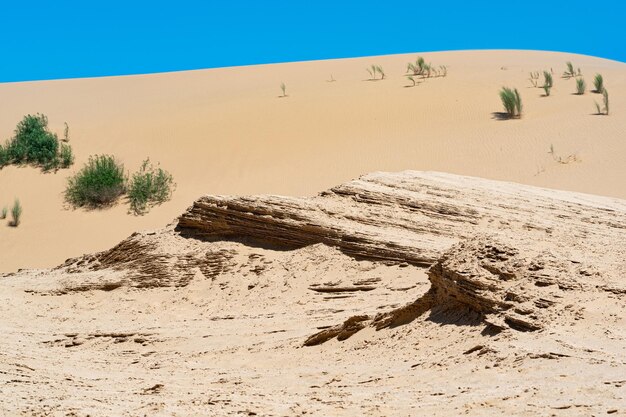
x=99 y=183
x=560 y=159
x=34 y=144
x=420 y=68
x=66 y=133
x=569 y=72
x=412 y=79
x=548 y=82
x=605 y=100
x=512 y=102
x=3 y=212
x=534 y=78
x=598 y=83
x=16 y=213
x=376 y=69
x=283 y=88
x=149 y=186
x=581 y=86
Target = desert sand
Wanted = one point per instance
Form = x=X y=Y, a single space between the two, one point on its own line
x=283 y=279
x=225 y=131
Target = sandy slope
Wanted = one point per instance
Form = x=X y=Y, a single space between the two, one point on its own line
x=225 y=131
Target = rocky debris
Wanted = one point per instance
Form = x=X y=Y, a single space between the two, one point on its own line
x=497 y=284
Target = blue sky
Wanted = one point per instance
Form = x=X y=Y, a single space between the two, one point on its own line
x=68 y=39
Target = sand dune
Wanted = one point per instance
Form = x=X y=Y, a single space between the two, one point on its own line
x=225 y=131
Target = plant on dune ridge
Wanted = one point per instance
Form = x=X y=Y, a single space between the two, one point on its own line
x=375 y=69
x=605 y=101
x=412 y=79
x=534 y=78
x=424 y=70
x=598 y=83
x=512 y=102
x=99 y=183
x=569 y=72
x=16 y=213
x=548 y=82
x=3 y=213
x=149 y=186
x=380 y=71
x=283 y=88
x=581 y=86
x=66 y=133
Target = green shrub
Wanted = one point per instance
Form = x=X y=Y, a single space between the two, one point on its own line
x=4 y=156
x=598 y=83
x=3 y=213
x=569 y=72
x=16 y=213
x=99 y=183
x=34 y=144
x=149 y=186
x=581 y=86
x=283 y=88
x=512 y=102
x=66 y=156
x=605 y=100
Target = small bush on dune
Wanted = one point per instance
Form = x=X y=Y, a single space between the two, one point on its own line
x=569 y=72
x=605 y=100
x=512 y=102
x=548 y=82
x=534 y=78
x=581 y=86
x=3 y=213
x=16 y=213
x=149 y=186
x=33 y=143
x=99 y=183
x=283 y=88
x=598 y=83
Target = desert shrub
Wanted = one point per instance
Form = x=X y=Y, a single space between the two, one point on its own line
x=283 y=88
x=16 y=213
x=548 y=82
x=581 y=86
x=33 y=143
x=605 y=100
x=598 y=83
x=380 y=71
x=534 y=78
x=3 y=212
x=512 y=102
x=412 y=79
x=66 y=156
x=4 y=156
x=149 y=186
x=99 y=183
x=569 y=72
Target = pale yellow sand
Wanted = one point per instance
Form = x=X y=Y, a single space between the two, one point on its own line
x=225 y=131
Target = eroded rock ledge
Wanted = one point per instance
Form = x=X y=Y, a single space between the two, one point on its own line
x=499 y=253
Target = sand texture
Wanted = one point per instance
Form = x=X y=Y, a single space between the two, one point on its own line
x=406 y=293
x=226 y=131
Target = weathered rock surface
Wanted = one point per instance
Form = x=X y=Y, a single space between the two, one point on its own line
x=478 y=276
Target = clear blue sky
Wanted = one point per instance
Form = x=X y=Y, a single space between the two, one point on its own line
x=67 y=39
